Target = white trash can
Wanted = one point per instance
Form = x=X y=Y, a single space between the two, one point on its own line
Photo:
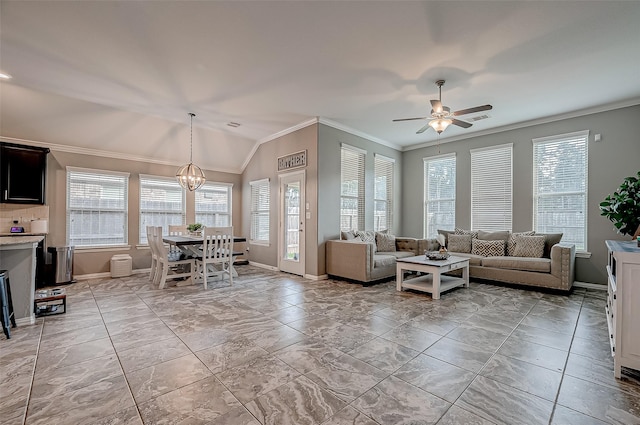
x=121 y=265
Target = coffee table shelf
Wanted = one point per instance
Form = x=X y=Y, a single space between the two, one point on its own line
x=434 y=282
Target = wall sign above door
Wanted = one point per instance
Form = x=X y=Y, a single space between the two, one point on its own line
x=293 y=160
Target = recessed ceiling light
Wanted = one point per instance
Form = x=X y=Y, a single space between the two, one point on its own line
x=233 y=124
x=4 y=76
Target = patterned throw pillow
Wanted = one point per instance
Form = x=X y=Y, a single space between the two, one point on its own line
x=529 y=246
x=460 y=243
x=473 y=233
x=488 y=248
x=511 y=242
x=368 y=236
x=385 y=242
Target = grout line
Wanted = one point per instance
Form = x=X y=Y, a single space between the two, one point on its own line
x=33 y=373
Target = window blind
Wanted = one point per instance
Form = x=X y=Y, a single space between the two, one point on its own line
x=351 y=188
x=97 y=207
x=560 y=186
x=162 y=202
x=383 y=193
x=213 y=205
x=439 y=194
x=260 y=201
x=491 y=188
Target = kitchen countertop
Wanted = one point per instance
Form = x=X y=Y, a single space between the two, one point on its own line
x=22 y=234
x=12 y=240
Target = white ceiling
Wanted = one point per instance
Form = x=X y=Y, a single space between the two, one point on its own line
x=121 y=76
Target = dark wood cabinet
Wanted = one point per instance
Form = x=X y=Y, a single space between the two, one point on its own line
x=23 y=171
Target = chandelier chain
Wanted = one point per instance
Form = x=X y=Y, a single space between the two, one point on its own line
x=191 y=150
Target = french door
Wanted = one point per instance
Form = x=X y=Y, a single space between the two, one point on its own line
x=291 y=223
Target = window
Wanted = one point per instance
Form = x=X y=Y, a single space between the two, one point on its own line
x=161 y=204
x=491 y=188
x=96 y=207
x=383 y=191
x=213 y=204
x=439 y=194
x=352 y=188
x=260 y=212
x=560 y=186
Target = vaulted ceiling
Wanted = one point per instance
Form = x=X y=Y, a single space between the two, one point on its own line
x=119 y=77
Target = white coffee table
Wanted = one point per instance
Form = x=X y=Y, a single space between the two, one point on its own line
x=433 y=282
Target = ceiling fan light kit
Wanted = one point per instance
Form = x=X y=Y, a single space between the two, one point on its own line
x=190 y=176
x=442 y=117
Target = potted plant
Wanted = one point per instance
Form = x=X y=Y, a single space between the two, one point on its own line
x=623 y=207
x=195 y=228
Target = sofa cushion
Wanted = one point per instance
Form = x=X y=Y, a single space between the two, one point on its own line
x=487 y=248
x=542 y=265
x=460 y=243
x=368 y=236
x=529 y=246
x=494 y=236
x=380 y=260
x=397 y=254
x=474 y=260
x=385 y=242
x=511 y=242
x=446 y=234
x=550 y=240
x=347 y=235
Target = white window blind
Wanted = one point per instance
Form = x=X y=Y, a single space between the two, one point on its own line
x=260 y=201
x=560 y=186
x=162 y=202
x=352 y=188
x=439 y=194
x=213 y=204
x=383 y=193
x=97 y=207
x=492 y=188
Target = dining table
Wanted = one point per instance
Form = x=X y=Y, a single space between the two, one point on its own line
x=191 y=246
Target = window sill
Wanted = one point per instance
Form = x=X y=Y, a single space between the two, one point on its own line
x=259 y=243
x=583 y=254
x=88 y=249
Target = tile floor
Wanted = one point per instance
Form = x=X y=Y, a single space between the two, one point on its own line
x=277 y=349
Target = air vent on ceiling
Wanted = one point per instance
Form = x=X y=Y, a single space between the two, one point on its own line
x=478 y=118
x=233 y=124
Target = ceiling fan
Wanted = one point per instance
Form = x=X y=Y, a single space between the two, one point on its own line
x=442 y=117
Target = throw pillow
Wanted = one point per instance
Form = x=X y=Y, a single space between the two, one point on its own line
x=368 y=236
x=385 y=242
x=446 y=234
x=460 y=243
x=473 y=233
x=550 y=240
x=347 y=235
x=488 y=248
x=511 y=242
x=529 y=246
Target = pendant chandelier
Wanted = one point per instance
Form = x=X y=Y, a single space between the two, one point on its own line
x=190 y=176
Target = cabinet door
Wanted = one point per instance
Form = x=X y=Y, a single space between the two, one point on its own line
x=23 y=175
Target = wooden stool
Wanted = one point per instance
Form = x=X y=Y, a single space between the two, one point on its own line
x=7 y=304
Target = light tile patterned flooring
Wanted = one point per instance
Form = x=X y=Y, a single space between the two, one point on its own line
x=277 y=349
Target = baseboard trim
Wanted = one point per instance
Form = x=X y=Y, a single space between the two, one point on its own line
x=107 y=274
x=263 y=266
x=316 y=277
x=587 y=285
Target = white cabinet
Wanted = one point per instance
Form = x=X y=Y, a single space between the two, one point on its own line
x=623 y=304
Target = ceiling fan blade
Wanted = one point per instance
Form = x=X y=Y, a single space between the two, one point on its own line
x=410 y=119
x=462 y=124
x=472 y=110
x=422 y=130
x=436 y=105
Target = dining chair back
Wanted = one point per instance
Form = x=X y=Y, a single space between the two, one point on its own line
x=178 y=229
x=170 y=265
x=153 y=271
x=217 y=253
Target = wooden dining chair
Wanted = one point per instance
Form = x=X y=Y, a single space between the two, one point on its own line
x=217 y=252
x=153 y=271
x=170 y=266
x=177 y=230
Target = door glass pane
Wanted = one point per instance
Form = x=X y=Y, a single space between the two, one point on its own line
x=292 y=221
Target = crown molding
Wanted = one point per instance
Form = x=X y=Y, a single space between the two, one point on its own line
x=575 y=114
x=347 y=129
x=106 y=154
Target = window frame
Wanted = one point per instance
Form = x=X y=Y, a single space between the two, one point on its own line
x=229 y=213
x=124 y=210
x=255 y=211
x=482 y=181
x=156 y=181
x=426 y=185
x=383 y=166
x=359 y=163
x=583 y=138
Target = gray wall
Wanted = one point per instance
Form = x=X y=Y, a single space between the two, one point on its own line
x=98 y=260
x=263 y=165
x=329 y=143
x=610 y=161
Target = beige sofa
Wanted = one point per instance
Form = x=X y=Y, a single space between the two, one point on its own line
x=356 y=260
